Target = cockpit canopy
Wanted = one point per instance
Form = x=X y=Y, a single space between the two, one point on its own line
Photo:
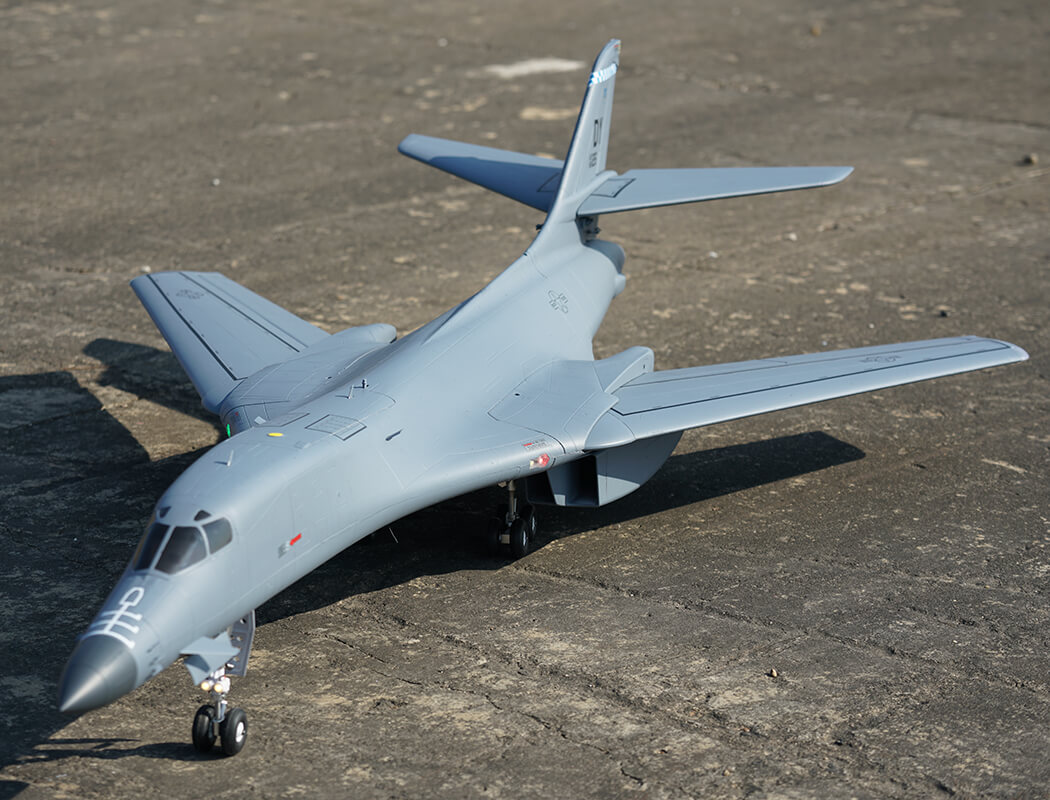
x=181 y=546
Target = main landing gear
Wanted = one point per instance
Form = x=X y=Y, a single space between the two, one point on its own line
x=216 y=721
x=514 y=526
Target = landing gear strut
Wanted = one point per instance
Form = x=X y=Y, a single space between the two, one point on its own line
x=513 y=527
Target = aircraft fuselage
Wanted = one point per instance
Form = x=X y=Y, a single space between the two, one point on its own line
x=357 y=447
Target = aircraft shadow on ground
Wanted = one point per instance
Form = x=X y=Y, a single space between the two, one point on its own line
x=449 y=536
x=148 y=373
x=75 y=488
x=76 y=485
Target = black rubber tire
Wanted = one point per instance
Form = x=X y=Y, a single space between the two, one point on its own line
x=492 y=534
x=204 y=729
x=529 y=515
x=234 y=731
x=519 y=538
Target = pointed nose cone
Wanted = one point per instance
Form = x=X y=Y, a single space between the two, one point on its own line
x=100 y=670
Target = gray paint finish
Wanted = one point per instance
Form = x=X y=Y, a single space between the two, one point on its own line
x=337 y=436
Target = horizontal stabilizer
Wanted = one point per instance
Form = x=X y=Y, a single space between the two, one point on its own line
x=219 y=331
x=581 y=186
x=677 y=399
x=647 y=188
x=531 y=180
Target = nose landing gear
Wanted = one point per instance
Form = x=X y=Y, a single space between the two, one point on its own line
x=216 y=720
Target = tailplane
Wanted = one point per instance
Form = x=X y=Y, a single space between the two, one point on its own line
x=581 y=187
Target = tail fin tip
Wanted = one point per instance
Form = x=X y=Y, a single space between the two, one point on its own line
x=589 y=147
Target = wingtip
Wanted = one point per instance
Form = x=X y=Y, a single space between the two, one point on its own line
x=840 y=174
x=1016 y=353
x=1020 y=352
x=405 y=144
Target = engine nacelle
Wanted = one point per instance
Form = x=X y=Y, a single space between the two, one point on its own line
x=601 y=477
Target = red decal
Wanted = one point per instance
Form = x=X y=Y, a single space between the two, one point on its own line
x=298 y=536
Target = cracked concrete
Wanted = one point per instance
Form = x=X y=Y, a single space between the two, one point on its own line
x=886 y=555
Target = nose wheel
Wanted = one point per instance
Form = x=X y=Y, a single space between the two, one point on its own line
x=216 y=721
x=513 y=528
x=205 y=730
x=233 y=731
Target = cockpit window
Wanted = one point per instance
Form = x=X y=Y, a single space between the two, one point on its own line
x=185 y=547
x=219 y=534
x=149 y=545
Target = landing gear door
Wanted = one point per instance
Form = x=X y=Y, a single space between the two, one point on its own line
x=242 y=633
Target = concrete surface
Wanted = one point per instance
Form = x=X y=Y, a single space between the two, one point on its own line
x=887 y=555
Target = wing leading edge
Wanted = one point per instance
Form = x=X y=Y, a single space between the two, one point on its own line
x=219 y=331
x=675 y=400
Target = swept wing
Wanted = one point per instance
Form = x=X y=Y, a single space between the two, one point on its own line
x=674 y=400
x=219 y=331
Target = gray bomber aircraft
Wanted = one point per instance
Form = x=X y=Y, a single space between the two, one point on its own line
x=333 y=437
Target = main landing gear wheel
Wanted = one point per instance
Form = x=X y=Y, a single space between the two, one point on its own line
x=234 y=731
x=519 y=538
x=514 y=527
x=204 y=729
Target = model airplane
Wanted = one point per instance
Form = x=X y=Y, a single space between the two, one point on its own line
x=335 y=436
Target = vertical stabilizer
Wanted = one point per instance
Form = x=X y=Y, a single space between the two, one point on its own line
x=590 y=141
